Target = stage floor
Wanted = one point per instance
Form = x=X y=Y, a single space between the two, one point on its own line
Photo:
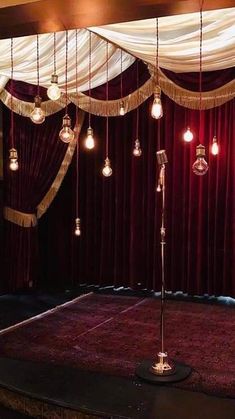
x=82 y=357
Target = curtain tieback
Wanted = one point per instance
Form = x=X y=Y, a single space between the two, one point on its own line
x=23 y=219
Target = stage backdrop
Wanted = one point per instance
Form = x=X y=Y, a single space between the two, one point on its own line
x=120 y=215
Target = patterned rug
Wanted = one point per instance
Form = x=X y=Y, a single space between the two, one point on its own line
x=113 y=334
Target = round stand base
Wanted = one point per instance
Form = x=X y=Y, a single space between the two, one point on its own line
x=179 y=373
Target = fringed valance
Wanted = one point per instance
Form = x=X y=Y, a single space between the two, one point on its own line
x=178 y=94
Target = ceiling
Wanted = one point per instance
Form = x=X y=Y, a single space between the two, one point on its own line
x=28 y=17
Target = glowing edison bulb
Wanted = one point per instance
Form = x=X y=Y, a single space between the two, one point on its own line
x=13 y=157
x=122 y=109
x=89 y=141
x=157 y=111
x=188 y=135
x=53 y=91
x=66 y=133
x=37 y=115
x=215 y=147
x=137 y=150
x=107 y=170
x=77 y=230
x=200 y=166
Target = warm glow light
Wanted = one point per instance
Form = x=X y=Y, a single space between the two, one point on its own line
x=66 y=133
x=215 y=147
x=13 y=158
x=77 y=230
x=188 y=135
x=200 y=166
x=122 y=109
x=89 y=141
x=137 y=150
x=157 y=111
x=14 y=165
x=107 y=170
x=37 y=116
x=53 y=91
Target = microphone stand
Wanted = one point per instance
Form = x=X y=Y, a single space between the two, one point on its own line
x=162 y=371
x=162 y=366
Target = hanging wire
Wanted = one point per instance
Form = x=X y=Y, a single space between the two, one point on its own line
x=77 y=150
x=157 y=51
x=12 y=113
x=107 y=98
x=38 y=74
x=66 y=71
x=89 y=79
x=54 y=53
x=121 y=81
x=200 y=78
x=137 y=109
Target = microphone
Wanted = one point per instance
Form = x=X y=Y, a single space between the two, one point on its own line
x=162 y=160
x=161 y=157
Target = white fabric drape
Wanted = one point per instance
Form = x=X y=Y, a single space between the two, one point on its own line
x=25 y=63
x=178 y=49
x=179 y=40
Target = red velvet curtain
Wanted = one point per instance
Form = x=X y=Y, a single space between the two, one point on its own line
x=40 y=155
x=120 y=215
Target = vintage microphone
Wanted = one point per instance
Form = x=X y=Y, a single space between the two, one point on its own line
x=162 y=370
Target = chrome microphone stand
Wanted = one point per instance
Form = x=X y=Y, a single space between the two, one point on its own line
x=162 y=366
x=162 y=371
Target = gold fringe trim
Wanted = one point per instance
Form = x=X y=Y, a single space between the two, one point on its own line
x=190 y=99
x=181 y=96
x=112 y=107
x=98 y=107
x=50 y=195
x=21 y=218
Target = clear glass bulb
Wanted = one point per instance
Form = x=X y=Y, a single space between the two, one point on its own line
x=13 y=158
x=157 y=111
x=188 y=135
x=37 y=116
x=200 y=166
x=66 y=133
x=214 y=147
x=137 y=150
x=89 y=141
x=13 y=165
x=107 y=170
x=122 y=109
x=53 y=91
x=77 y=230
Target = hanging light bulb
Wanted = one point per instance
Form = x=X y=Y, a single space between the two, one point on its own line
x=200 y=166
x=13 y=157
x=77 y=230
x=107 y=170
x=157 y=111
x=122 y=109
x=188 y=135
x=53 y=91
x=89 y=141
x=137 y=150
x=214 y=147
x=66 y=133
x=37 y=115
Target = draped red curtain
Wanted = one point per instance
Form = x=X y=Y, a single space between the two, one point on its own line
x=120 y=215
x=40 y=155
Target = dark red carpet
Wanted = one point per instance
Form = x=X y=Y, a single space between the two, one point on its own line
x=114 y=333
